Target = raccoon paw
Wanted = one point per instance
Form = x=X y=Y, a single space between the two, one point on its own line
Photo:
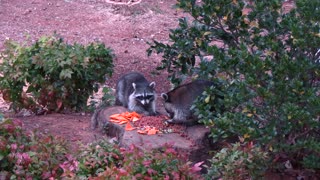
x=154 y=113
x=147 y=113
x=169 y=121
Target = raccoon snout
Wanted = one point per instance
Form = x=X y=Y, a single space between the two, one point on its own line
x=145 y=102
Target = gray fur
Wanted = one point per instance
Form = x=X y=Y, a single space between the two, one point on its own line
x=179 y=101
x=134 y=92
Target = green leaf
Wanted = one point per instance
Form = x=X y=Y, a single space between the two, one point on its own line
x=65 y=74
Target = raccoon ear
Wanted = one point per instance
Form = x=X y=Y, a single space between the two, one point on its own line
x=134 y=86
x=164 y=96
x=152 y=85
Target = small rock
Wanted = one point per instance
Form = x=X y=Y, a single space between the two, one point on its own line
x=28 y=11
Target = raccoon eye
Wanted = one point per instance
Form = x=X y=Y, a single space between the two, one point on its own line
x=150 y=97
x=171 y=114
x=139 y=97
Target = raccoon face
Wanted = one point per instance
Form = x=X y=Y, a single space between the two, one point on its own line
x=178 y=101
x=144 y=95
x=144 y=99
x=134 y=92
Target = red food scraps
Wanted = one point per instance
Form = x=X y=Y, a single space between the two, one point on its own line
x=148 y=125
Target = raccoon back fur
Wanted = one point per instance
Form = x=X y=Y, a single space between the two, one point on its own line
x=134 y=92
x=178 y=101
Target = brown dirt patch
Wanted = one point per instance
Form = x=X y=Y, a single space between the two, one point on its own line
x=125 y=28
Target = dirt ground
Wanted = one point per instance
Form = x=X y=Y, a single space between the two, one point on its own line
x=124 y=27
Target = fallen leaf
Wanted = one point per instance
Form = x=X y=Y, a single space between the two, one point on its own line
x=246 y=136
x=207 y=100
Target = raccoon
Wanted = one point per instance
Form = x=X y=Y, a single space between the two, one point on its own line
x=134 y=92
x=178 y=101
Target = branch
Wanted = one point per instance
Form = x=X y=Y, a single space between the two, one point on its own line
x=129 y=3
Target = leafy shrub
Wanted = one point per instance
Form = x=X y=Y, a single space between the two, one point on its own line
x=239 y=162
x=28 y=155
x=267 y=62
x=108 y=97
x=96 y=157
x=106 y=100
x=57 y=75
x=160 y=164
x=106 y=161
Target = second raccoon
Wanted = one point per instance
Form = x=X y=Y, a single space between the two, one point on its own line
x=179 y=101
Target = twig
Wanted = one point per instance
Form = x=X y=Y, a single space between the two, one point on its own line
x=129 y=3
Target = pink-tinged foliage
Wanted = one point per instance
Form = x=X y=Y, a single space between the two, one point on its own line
x=167 y=177
x=122 y=172
x=13 y=147
x=151 y=171
x=135 y=163
x=146 y=163
x=29 y=155
x=196 y=167
x=69 y=167
x=17 y=123
x=171 y=151
x=27 y=150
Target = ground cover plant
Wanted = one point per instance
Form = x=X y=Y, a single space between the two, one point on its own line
x=239 y=161
x=51 y=74
x=31 y=155
x=104 y=160
x=266 y=60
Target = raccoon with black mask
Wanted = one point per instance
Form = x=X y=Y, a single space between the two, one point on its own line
x=134 y=92
x=178 y=101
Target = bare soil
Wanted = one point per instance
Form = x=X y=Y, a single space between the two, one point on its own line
x=124 y=26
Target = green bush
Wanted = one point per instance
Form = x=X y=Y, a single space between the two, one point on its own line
x=30 y=155
x=56 y=75
x=96 y=157
x=268 y=65
x=106 y=100
x=239 y=162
